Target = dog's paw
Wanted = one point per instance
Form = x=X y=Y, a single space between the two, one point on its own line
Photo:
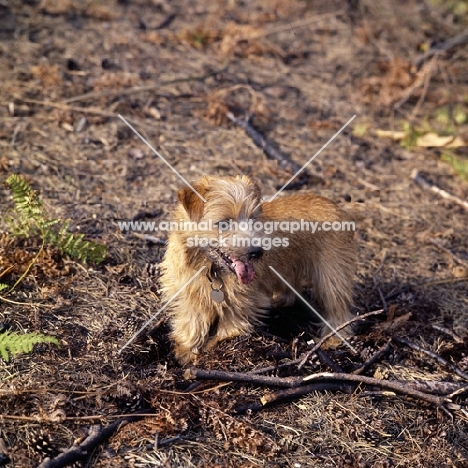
x=186 y=356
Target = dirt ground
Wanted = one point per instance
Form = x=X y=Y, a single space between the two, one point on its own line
x=301 y=69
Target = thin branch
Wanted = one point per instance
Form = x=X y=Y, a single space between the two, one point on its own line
x=397 y=387
x=301 y=360
x=299 y=386
x=342 y=383
x=247 y=377
x=85 y=110
x=150 y=238
x=374 y=358
x=358 y=318
x=449 y=252
x=271 y=151
x=448 y=332
x=140 y=89
x=291 y=393
x=442 y=47
x=97 y=435
x=435 y=356
x=427 y=80
x=301 y=23
x=419 y=179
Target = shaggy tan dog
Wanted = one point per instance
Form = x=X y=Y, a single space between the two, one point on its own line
x=217 y=269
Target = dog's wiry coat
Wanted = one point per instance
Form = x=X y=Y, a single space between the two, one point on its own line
x=323 y=261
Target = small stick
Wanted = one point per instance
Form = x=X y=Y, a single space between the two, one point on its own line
x=419 y=179
x=96 y=436
x=443 y=47
x=247 y=377
x=448 y=332
x=435 y=356
x=328 y=361
x=304 y=359
x=449 y=252
x=140 y=89
x=414 y=389
x=284 y=162
x=86 y=110
x=150 y=238
x=395 y=386
x=402 y=387
x=291 y=393
x=374 y=358
x=427 y=80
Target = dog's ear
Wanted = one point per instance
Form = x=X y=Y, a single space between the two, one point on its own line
x=192 y=203
x=253 y=183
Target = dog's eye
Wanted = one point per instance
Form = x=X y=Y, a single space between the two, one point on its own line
x=223 y=224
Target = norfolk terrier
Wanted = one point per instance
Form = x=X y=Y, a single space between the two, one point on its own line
x=233 y=258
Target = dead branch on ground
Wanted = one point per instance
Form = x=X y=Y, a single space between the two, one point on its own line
x=301 y=360
x=272 y=152
x=97 y=435
x=442 y=47
x=419 y=179
x=439 y=359
x=332 y=381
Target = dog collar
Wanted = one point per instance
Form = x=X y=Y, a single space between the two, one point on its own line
x=216 y=294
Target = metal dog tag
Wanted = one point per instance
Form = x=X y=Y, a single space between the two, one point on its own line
x=217 y=295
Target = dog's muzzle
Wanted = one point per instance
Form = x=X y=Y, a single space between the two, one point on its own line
x=243 y=269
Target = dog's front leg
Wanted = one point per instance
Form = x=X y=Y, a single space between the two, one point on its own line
x=189 y=332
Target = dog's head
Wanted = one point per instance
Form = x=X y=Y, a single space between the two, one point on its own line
x=222 y=227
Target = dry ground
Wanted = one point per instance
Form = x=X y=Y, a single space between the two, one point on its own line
x=302 y=68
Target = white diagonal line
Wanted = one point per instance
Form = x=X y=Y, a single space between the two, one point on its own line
x=160 y=310
x=161 y=157
x=337 y=333
x=312 y=158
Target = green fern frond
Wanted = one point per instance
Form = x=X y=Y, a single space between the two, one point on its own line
x=29 y=214
x=14 y=343
x=29 y=218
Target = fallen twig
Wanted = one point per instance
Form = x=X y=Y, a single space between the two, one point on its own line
x=419 y=179
x=397 y=387
x=435 y=356
x=449 y=252
x=304 y=359
x=150 y=238
x=301 y=360
x=374 y=358
x=448 y=332
x=86 y=110
x=141 y=89
x=291 y=393
x=328 y=361
x=347 y=383
x=96 y=436
x=247 y=377
x=284 y=162
x=331 y=381
x=442 y=47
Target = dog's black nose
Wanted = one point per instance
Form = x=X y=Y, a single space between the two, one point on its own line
x=254 y=252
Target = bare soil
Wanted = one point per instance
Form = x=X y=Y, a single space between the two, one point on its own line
x=301 y=69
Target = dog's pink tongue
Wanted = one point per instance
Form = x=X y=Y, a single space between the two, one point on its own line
x=244 y=271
